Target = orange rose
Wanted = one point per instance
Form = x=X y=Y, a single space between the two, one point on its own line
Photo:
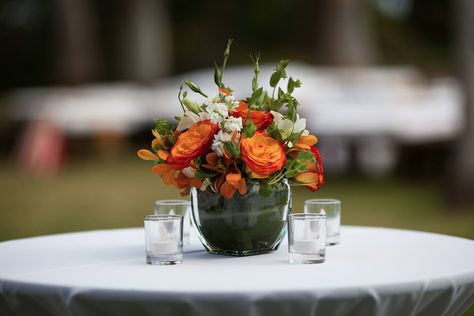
x=259 y=118
x=193 y=143
x=262 y=154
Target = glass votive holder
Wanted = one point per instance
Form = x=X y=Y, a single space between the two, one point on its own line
x=332 y=209
x=164 y=239
x=306 y=238
x=176 y=207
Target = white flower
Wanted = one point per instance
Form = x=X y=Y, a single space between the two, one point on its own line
x=231 y=102
x=189 y=172
x=189 y=119
x=218 y=142
x=300 y=124
x=232 y=124
x=217 y=112
x=287 y=127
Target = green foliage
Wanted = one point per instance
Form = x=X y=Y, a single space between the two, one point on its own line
x=293 y=138
x=292 y=84
x=298 y=164
x=273 y=131
x=163 y=127
x=256 y=72
x=203 y=175
x=249 y=129
x=280 y=73
x=257 y=98
x=232 y=148
x=218 y=72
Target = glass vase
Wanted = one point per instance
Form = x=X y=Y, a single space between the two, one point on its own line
x=243 y=225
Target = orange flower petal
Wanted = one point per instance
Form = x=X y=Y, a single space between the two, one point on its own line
x=309 y=140
x=227 y=190
x=307 y=177
x=161 y=168
x=311 y=166
x=155 y=143
x=218 y=182
x=212 y=159
x=212 y=168
x=182 y=180
x=303 y=146
x=169 y=177
x=163 y=154
x=234 y=136
x=242 y=187
x=195 y=182
x=233 y=178
x=146 y=155
x=225 y=91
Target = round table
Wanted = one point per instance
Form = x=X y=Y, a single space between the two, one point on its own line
x=374 y=271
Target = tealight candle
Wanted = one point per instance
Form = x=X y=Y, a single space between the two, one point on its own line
x=164 y=247
x=306 y=238
x=306 y=246
x=164 y=239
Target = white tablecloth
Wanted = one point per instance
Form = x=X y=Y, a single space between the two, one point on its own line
x=374 y=271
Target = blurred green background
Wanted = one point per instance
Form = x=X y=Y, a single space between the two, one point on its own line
x=111 y=194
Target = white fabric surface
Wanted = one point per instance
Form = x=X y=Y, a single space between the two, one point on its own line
x=374 y=271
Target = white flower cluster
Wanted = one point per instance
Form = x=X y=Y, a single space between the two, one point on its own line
x=229 y=126
x=217 y=112
x=219 y=105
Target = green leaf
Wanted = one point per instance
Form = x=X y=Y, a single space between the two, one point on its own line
x=232 y=148
x=292 y=84
x=280 y=73
x=295 y=168
x=274 y=132
x=163 y=127
x=274 y=79
x=194 y=87
x=203 y=175
x=249 y=129
x=265 y=190
x=305 y=155
x=281 y=94
x=257 y=97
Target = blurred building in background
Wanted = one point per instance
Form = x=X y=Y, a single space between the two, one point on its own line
x=380 y=78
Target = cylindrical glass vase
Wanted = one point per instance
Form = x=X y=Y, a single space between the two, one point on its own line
x=243 y=225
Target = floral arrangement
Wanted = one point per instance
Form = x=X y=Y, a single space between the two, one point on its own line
x=224 y=144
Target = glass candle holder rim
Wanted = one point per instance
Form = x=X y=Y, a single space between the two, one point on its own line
x=158 y=217
x=172 y=202
x=322 y=201
x=302 y=216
